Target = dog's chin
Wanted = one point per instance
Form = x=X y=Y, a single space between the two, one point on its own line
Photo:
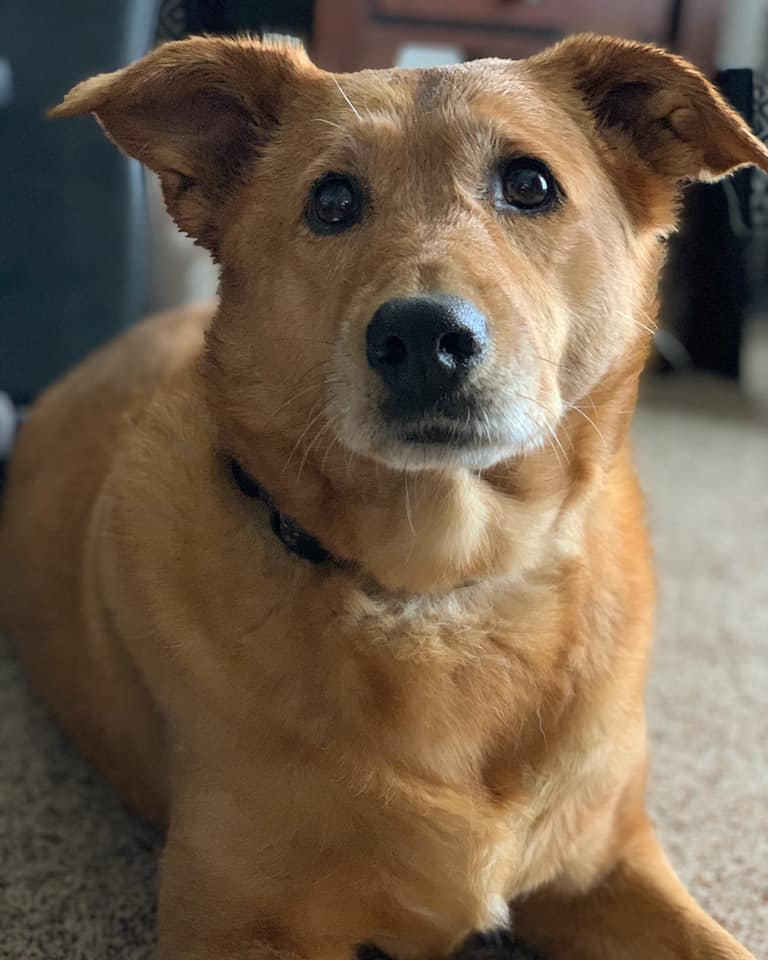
x=436 y=446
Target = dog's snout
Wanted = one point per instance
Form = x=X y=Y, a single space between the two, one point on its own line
x=426 y=345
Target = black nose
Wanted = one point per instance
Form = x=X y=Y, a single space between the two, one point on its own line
x=425 y=346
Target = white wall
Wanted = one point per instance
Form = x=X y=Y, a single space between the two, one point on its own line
x=744 y=35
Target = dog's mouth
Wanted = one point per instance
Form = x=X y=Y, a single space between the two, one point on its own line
x=450 y=422
x=474 y=439
x=453 y=433
x=471 y=441
x=441 y=434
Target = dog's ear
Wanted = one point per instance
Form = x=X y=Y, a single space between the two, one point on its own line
x=197 y=112
x=655 y=105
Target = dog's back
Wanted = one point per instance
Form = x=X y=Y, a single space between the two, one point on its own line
x=64 y=452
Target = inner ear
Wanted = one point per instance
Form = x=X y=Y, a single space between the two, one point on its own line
x=201 y=145
x=621 y=105
x=204 y=156
x=197 y=112
x=653 y=106
x=206 y=132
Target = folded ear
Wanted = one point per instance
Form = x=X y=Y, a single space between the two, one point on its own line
x=655 y=105
x=197 y=112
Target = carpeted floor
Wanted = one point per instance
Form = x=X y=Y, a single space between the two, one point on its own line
x=703 y=458
x=77 y=872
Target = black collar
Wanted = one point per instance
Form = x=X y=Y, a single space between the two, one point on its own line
x=294 y=539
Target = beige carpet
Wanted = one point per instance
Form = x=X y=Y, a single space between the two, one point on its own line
x=703 y=457
x=77 y=873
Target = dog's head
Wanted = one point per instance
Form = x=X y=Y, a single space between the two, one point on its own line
x=428 y=267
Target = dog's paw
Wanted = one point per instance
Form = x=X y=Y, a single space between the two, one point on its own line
x=367 y=951
x=496 y=945
x=490 y=945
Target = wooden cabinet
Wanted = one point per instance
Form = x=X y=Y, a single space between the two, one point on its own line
x=644 y=18
x=352 y=34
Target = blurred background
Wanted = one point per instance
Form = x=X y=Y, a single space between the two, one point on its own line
x=86 y=249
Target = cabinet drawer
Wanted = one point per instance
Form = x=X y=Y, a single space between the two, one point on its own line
x=638 y=19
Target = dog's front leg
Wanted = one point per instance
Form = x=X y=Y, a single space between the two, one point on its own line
x=640 y=911
x=209 y=913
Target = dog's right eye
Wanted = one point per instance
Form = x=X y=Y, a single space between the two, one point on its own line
x=335 y=203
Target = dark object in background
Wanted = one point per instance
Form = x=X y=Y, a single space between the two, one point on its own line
x=74 y=235
x=8 y=424
x=74 y=230
x=247 y=16
x=706 y=290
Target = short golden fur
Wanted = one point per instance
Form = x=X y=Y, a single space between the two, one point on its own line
x=398 y=750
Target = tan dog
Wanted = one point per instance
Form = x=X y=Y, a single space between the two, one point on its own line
x=350 y=582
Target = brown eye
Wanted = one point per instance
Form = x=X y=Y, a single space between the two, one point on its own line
x=527 y=185
x=334 y=204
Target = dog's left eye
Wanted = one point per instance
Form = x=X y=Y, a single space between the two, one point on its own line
x=334 y=203
x=527 y=185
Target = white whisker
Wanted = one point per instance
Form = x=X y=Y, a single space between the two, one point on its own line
x=324 y=429
x=295 y=396
x=408 y=506
x=349 y=102
x=330 y=123
x=311 y=422
x=589 y=420
x=553 y=438
x=334 y=440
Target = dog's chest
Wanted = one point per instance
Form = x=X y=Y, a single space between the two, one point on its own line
x=453 y=687
x=492 y=796
x=458 y=867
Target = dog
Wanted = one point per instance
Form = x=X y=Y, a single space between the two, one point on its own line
x=347 y=580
